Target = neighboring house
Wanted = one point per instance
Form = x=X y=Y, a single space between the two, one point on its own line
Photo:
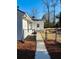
x=26 y=25
x=38 y=24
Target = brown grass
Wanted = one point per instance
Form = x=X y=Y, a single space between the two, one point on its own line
x=27 y=49
x=54 y=49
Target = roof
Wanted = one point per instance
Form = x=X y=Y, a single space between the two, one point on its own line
x=34 y=19
x=21 y=11
x=30 y=18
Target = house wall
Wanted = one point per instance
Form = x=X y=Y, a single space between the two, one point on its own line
x=19 y=26
x=41 y=25
x=27 y=26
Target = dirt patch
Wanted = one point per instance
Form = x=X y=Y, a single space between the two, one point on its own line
x=54 y=49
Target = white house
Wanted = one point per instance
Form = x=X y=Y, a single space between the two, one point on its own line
x=26 y=25
x=38 y=24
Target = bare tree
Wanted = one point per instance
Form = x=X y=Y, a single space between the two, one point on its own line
x=51 y=4
x=47 y=5
x=54 y=4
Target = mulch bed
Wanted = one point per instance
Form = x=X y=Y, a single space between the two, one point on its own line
x=54 y=49
x=26 y=49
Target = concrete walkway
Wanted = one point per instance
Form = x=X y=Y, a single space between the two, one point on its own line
x=41 y=51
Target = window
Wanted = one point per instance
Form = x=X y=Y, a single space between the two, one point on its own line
x=37 y=25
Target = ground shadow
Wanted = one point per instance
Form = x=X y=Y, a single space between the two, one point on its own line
x=25 y=54
x=55 y=55
x=54 y=50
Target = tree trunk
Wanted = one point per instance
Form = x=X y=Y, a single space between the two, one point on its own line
x=48 y=16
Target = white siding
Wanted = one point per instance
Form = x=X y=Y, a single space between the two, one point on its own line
x=25 y=28
x=29 y=28
x=41 y=25
x=19 y=26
